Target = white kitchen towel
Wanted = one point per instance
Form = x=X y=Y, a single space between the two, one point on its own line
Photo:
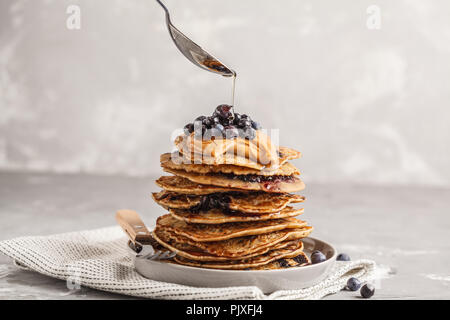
x=99 y=259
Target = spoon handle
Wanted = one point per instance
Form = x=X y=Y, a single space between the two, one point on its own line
x=165 y=9
x=134 y=227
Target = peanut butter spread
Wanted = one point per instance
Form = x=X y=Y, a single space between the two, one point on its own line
x=237 y=151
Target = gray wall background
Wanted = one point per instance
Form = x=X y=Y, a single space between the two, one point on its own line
x=364 y=106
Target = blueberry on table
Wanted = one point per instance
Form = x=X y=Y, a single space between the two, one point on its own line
x=317 y=257
x=343 y=257
x=367 y=290
x=353 y=284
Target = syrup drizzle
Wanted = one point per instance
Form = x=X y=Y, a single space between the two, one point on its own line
x=233 y=88
x=214 y=65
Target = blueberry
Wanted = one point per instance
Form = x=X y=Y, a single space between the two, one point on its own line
x=237 y=118
x=283 y=263
x=241 y=132
x=220 y=127
x=204 y=203
x=225 y=112
x=224 y=200
x=218 y=133
x=343 y=257
x=250 y=133
x=215 y=120
x=213 y=201
x=188 y=128
x=200 y=118
x=244 y=116
x=231 y=132
x=221 y=203
x=300 y=259
x=367 y=290
x=209 y=122
x=317 y=257
x=199 y=129
x=244 y=123
x=256 y=125
x=213 y=132
x=353 y=284
x=226 y=122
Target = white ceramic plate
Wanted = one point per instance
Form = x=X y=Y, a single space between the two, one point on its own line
x=267 y=280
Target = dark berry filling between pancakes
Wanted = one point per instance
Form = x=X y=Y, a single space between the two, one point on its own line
x=256 y=178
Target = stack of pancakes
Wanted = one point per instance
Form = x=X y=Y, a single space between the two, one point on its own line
x=229 y=216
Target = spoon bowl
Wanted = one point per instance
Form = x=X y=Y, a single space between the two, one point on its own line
x=193 y=52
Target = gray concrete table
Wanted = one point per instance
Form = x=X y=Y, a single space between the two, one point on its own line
x=404 y=229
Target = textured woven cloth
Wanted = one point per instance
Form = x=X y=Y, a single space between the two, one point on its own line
x=99 y=259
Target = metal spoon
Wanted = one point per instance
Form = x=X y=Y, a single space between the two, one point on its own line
x=194 y=52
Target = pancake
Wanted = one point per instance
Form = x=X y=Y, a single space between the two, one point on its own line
x=193 y=253
x=259 y=202
x=224 y=231
x=298 y=261
x=183 y=185
x=286 y=153
x=255 y=202
x=290 y=251
x=217 y=216
x=277 y=185
x=237 y=247
x=177 y=162
x=234 y=158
